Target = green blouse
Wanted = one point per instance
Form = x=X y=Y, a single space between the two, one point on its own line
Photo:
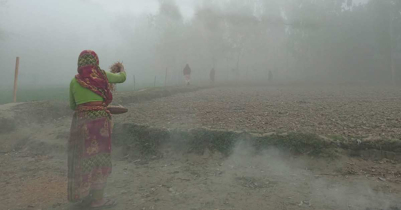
x=80 y=95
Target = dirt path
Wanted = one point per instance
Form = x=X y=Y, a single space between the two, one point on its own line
x=33 y=160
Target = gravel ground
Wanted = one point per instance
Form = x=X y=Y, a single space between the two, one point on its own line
x=350 y=112
x=34 y=162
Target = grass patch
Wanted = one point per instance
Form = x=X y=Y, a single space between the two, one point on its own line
x=298 y=143
x=7 y=125
x=148 y=141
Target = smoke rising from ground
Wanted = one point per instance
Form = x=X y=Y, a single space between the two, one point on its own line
x=298 y=180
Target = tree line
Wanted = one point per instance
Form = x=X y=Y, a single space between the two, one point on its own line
x=307 y=40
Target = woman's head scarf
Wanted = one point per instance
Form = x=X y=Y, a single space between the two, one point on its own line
x=90 y=75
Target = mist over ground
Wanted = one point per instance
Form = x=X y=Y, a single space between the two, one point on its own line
x=306 y=41
x=303 y=113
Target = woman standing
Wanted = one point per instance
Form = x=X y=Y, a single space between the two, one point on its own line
x=89 y=146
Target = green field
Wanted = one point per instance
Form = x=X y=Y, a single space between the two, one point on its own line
x=26 y=93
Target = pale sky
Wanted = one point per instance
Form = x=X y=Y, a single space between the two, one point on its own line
x=48 y=35
x=55 y=31
x=141 y=6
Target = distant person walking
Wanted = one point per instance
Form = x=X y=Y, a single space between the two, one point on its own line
x=187 y=74
x=212 y=75
x=270 y=76
x=89 y=146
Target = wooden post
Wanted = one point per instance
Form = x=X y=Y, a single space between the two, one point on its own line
x=134 y=82
x=154 y=84
x=165 y=79
x=16 y=79
x=392 y=62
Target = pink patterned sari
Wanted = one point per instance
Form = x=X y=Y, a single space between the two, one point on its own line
x=89 y=152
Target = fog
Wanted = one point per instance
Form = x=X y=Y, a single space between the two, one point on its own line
x=244 y=130
x=298 y=41
x=48 y=36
